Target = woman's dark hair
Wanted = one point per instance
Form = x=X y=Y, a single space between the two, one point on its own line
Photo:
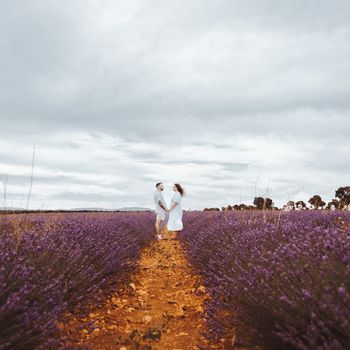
x=180 y=189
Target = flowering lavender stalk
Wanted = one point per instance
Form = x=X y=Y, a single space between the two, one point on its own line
x=52 y=263
x=283 y=284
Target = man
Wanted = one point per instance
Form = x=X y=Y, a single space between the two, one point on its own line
x=161 y=207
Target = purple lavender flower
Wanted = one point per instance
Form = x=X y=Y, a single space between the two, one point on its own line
x=282 y=283
x=53 y=263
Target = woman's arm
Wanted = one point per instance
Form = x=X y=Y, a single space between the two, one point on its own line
x=173 y=205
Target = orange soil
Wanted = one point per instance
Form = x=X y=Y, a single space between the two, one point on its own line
x=162 y=308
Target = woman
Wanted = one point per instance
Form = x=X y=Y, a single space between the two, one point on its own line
x=175 y=210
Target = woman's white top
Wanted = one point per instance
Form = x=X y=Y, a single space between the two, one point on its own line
x=175 y=215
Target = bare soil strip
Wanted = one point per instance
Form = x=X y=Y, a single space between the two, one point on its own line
x=162 y=308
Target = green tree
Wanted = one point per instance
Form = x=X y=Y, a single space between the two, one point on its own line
x=343 y=193
x=316 y=201
x=334 y=202
x=263 y=203
x=291 y=204
x=259 y=202
x=302 y=203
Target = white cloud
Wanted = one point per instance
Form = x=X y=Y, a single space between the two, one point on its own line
x=119 y=95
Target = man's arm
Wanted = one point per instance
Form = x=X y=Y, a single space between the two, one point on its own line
x=162 y=205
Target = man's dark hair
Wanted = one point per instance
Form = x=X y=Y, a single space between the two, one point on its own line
x=158 y=184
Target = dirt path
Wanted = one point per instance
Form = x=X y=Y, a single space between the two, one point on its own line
x=162 y=308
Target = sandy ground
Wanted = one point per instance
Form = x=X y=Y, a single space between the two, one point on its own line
x=161 y=308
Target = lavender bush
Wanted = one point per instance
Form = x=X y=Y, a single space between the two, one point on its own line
x=53 y=263
x=276 y=282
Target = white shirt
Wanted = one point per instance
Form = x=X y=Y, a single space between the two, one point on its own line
x=158 y=196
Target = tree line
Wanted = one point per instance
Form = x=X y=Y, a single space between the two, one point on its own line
x=340 y=202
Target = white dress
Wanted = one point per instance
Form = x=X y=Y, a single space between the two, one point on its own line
x=175 y=215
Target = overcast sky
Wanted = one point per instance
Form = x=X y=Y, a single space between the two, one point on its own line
x=217 y=95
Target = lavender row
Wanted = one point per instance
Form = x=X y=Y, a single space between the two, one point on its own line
x=53 y=263
x=276 y=282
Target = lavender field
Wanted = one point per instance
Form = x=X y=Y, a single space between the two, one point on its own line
x=53 y=263
x=276 y=280
x=280 y=281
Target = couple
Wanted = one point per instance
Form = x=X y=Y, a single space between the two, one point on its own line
x=175 y=210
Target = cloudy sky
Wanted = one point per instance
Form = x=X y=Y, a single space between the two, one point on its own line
x=229 y=98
